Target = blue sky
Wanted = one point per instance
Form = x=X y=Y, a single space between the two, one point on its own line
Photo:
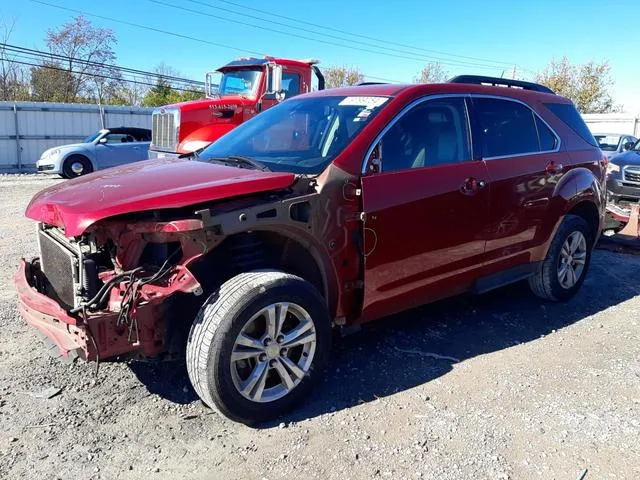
x=494 y=35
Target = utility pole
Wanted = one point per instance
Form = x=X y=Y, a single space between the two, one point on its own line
x=513 y=74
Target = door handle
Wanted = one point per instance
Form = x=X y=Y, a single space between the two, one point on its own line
x=553 y=168
x=471 y=186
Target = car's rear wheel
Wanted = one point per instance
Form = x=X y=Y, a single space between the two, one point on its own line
x=76 y=165
x=564 y=269
x=258 y=344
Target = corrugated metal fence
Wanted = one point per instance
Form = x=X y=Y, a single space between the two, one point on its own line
x=29 y=128
x=622 y=123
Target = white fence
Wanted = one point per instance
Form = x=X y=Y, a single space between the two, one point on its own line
x=624 y=123
x=29 y=128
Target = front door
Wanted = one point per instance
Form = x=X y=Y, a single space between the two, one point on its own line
x=425 y=209
x=118 y=149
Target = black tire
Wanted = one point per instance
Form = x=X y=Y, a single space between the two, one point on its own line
x=545 y=282
x=67 y=171
x=217 y=326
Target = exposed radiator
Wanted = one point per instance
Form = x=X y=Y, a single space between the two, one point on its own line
x=59 y=263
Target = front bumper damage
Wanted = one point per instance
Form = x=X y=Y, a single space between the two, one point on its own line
x=99 y=335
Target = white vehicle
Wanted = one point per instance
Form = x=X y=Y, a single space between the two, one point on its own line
x=105 y=148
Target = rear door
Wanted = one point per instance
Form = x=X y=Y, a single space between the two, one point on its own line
x=524 y=165
x=425 y=210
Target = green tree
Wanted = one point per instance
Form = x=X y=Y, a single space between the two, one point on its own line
x=342 y=76
x=432 y=73
x=587 y=85
x=166 y=91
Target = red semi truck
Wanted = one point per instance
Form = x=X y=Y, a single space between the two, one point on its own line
x=234 y=93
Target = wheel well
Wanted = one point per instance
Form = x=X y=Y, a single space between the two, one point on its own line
x=257 y=250
x=237 y=254
x=589 y=212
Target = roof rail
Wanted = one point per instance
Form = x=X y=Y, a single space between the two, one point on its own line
x=370 y=83
x=501 y=82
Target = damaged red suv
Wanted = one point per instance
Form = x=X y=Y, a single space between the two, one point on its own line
x=329 y=210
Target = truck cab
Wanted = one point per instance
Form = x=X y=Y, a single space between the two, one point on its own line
x=235 y=93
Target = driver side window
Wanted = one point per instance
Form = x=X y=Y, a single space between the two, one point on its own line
x=117 y=138
x=432 y=133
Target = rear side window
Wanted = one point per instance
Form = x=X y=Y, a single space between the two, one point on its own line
x=548 y=140
x=508 y=128
x=569 y=115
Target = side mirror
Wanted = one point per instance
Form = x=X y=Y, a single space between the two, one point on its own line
x=276 y=79
x=374 y=162
x=628 y=145
x=103 y=140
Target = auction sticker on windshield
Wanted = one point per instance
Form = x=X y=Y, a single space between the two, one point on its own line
x=369 y=102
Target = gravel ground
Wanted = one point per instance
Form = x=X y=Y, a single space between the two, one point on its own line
x=541 y=391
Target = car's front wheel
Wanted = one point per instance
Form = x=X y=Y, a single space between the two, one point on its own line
x=76 y=165
x=564 y=269
x=258 y=344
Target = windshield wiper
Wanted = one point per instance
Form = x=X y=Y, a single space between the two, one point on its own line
x=195 y=153
x=242 y=160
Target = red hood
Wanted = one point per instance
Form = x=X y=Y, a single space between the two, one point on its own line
x=150 y=185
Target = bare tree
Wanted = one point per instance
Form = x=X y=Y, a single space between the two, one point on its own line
x=88 y=56
x=13 y=76
x=342 y=76
x=432 y=73
x=587 y=85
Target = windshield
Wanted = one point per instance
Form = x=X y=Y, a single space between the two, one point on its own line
x=239 y=82
x=299 y=135
x=91 y=138
x=608 y=143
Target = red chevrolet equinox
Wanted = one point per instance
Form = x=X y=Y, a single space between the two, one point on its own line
x=327 y=211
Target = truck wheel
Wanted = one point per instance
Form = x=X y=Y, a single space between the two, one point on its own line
x=76 y=165
x=258 y=344
x=564 y=269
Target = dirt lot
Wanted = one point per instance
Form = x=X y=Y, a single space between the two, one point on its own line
x=541 y=391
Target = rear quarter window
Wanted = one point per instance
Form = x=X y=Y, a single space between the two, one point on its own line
x=569 y=115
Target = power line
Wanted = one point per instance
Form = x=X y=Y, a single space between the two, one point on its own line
x=420 y=57
x=110 y=77
x=146 y=27
x=325 y=27
x=327 y=42
x=166 y=32
x=49 y=55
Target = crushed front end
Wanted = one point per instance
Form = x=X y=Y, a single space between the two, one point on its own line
x=106 y=292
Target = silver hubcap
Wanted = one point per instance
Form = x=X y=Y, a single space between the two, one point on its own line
x=77 y=168
x=273 y=352
x=572 y=260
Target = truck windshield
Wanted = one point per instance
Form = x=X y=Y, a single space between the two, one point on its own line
x=299 y=135
x=239 y=82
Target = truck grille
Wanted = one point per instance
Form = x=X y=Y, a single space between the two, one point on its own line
x=59 y=263
x=632 y=175
x=164 y=129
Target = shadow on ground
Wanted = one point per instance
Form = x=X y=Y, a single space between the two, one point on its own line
x=374 y=363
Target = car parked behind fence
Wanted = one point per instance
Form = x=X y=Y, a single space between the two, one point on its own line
x=613 y=144
x=105 y=148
